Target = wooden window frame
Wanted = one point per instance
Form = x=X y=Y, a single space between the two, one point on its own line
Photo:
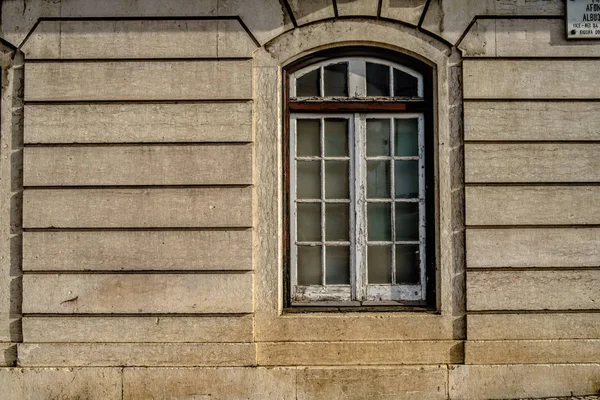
x=356 y=108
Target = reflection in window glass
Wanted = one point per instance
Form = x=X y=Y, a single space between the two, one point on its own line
x=336 y=180
x=407 y=179
x=379 y=263
x=378 y=80
x=407 y=221
x=337 y=261
x=378 y=179
x=337 y=222
x=309 y=84
x=407 y=137
x=309 y=180
x=309 y=265
x=407 y=264
x=378 y=137
x=378 y=221
x=309 y=222
x=336 y=138
x=308 y=137
x=405 y=85
x=336 y=80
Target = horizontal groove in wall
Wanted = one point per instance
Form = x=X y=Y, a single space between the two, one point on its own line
x=574 y=226
x=534 y=142
x=145 y=59
x=137 y=187
x=138 y=144
x=142 y=272
x=140 y=315
x=532 y=100
x=532 y=184
x=533 y=269
x=161 y=101
x=143 y=18
x=148 y=229
x=520 y=312
x=532 y=58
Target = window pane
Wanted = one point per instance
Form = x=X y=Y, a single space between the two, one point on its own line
x=379 y=221
x=378 y=80
x=378 y=179
x=407 y=179
x=308 y=137
x=378 y=137
x=308 y=180
x=309 y=222
x=337 y=222
x=336 y=80
x=380 y=263
x=407 y=221
x=336 y=137
x=336 y=180
x=407 y=137
x=309 y=265
x=405 y=85
x=407 y=264
x=337 y=260
x=309 y=84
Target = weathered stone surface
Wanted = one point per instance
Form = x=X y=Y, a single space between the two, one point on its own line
x=479 y=382
x=124 y=39
x=136 y=354
x=537 y=247
x=530 y=120
x=384 y=326
x=402 y=10
x=359 y=353
x=357 y=8
x=306 y=11
x=532 y=351
x=523 y=162
x=528 y=79
x=137 y=250
x=137 y=293
x=533 y=290
x=533 y=205
x=18 y=17
x=8 y=353
x=533 y=326
x=209 y=383
x=233 y=40
x=136 y=80
x=138 y=165
x=159 y=329
x=360 y=383
x=61 y=383
x=266 y=19
x=524 y=38
x=131 y=123
x=141 y=208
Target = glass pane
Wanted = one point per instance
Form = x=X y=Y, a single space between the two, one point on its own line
x=407 y=179
x=378 y=80
x=380 y=263
x=309 y=84
x=337 y=222
x=407 y=221
x=378 y=179
x=407 y=264
x=379 y=221
x=308 y=179
x=407 y=137
x=337 y=260
x=378 y=137
x=308 y=137
x=336 y=80
x=336 y=180
x=405 y=85
x=309 y=265
x=336 y=137
x=309 y=222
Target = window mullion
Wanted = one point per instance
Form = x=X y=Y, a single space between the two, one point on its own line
x=360 y=204
x=323 y=228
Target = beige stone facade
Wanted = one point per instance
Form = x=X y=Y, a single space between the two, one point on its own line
x=142 y=204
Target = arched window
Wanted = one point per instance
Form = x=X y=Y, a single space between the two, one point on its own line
x=360 y=179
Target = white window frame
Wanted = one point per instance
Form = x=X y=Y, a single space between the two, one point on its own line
x=358 y=292
x=357 y=72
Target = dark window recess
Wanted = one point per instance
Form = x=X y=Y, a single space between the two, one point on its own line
x=405 y=85
x=336 y=80
x=378 y=80
x=308 y=85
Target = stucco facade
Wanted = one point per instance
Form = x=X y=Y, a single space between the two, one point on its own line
x=142 y=204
